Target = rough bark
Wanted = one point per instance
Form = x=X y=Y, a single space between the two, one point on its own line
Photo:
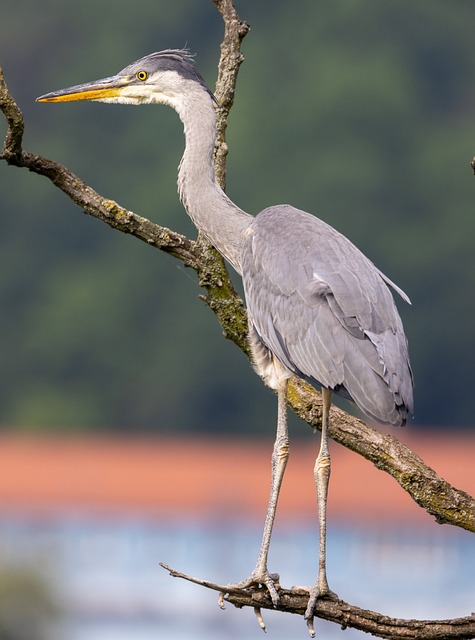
x=335 y=610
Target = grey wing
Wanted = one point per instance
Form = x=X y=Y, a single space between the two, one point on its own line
x=326 y=312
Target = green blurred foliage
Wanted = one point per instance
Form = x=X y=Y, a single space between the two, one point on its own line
x=360 y=112
x=29 y=610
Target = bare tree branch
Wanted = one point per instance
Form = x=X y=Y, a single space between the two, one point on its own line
x=446 y=503
x=230 y=60
x=334 y=610
x=83 y=195
x=199 y=255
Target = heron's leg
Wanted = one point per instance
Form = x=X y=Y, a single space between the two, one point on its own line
x=322 y=477
x=280 y=454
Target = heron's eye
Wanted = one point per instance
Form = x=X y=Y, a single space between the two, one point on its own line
x=142 y=75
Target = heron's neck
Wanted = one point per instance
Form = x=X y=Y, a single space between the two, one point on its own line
x=214 y=214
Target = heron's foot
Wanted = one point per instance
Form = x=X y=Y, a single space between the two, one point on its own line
x=317 y=591
x=259 y=577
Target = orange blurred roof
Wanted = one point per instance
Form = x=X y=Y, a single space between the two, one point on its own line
x=217 y=477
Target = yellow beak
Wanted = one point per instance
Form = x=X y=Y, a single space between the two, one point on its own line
x=96 y=90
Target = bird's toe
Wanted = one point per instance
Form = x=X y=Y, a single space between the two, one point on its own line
x=260 y=578
x=315 y=593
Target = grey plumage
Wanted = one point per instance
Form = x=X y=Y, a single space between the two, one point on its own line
x=318 y=308
x=176 y=60
x=326 y=312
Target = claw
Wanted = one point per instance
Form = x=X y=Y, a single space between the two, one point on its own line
x=221 y=600
x=260 y=619
x=316 y=592
x=310 y=627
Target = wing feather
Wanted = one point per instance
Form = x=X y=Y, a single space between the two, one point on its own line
x=326 y=312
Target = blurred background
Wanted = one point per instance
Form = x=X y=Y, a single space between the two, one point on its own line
x=85 y=521
x=361 y=113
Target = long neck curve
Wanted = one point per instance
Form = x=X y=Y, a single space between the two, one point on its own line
x=214 y=214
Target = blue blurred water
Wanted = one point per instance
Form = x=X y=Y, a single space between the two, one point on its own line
x=106 y=572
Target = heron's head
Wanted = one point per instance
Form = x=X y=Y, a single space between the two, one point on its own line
x=163 y=77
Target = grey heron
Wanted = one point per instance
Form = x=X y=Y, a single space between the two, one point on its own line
x=318 y=308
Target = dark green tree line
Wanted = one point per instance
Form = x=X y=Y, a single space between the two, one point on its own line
x=360 y=113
